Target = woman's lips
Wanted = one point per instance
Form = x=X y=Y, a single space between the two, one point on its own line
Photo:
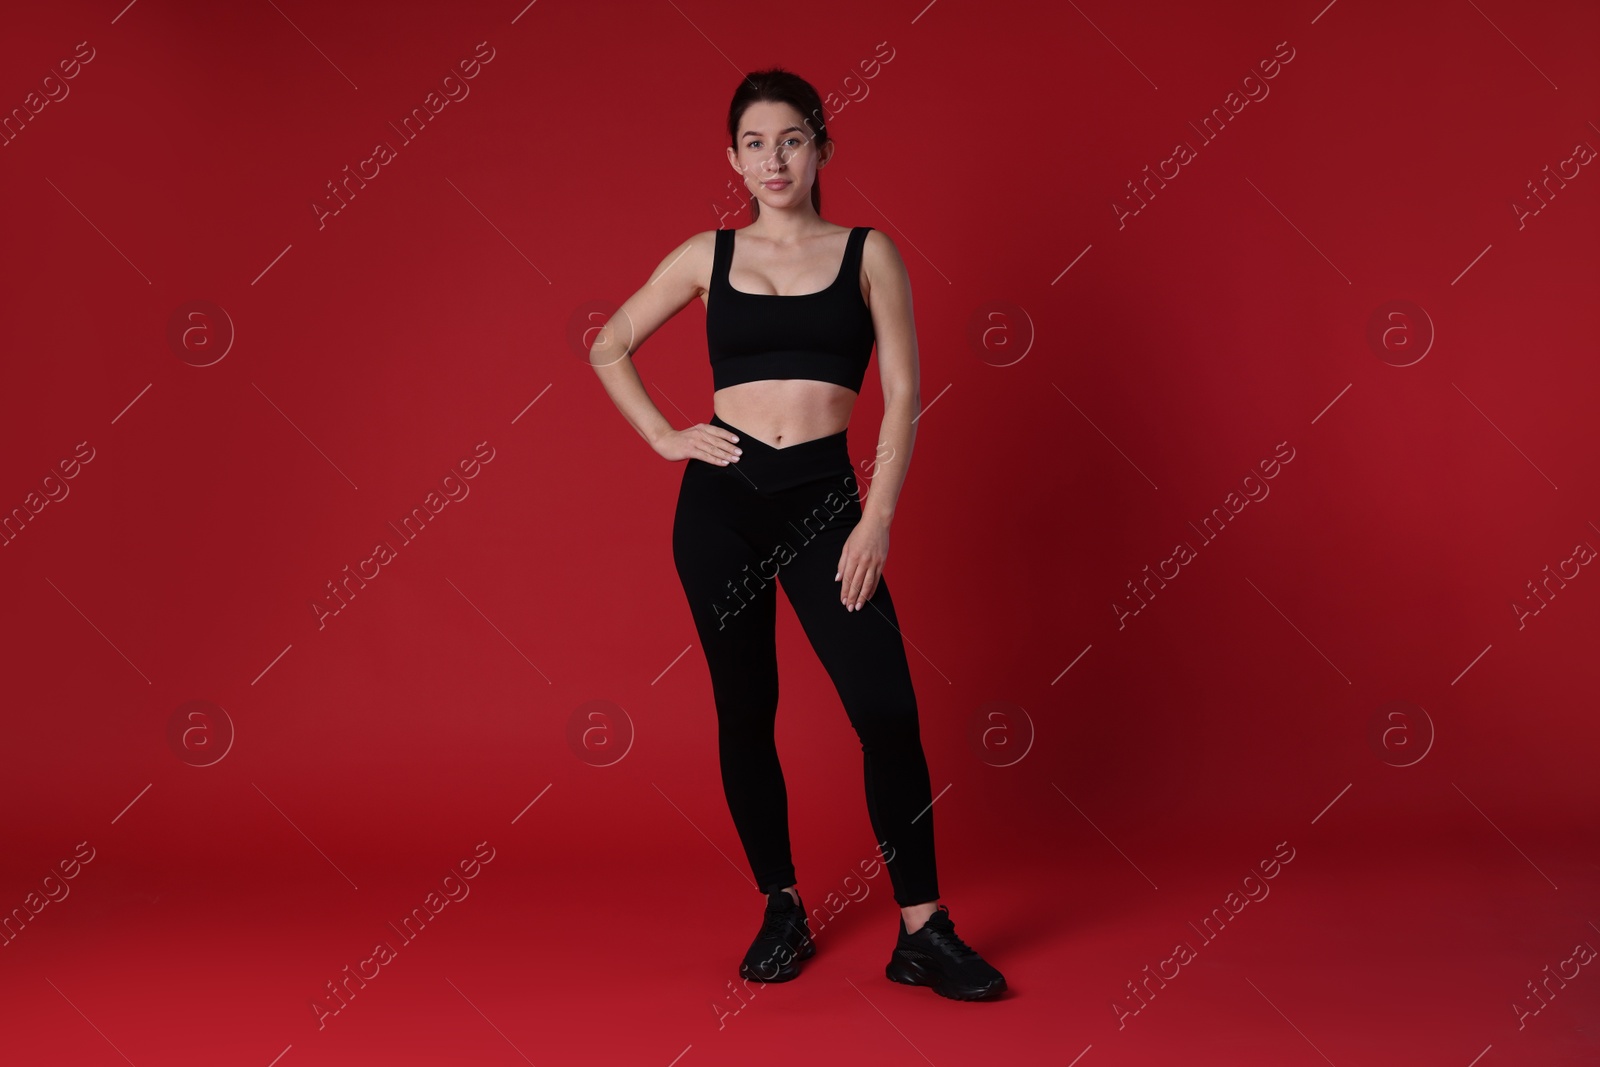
x=776 y=184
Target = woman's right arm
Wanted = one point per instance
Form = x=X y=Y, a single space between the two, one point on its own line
x=668 y=292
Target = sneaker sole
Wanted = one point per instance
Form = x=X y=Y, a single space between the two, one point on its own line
x=906 y=972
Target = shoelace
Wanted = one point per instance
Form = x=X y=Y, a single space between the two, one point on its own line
x=774 y=923
x=944 y=935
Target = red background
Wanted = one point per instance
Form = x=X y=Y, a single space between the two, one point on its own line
x=1126 y=376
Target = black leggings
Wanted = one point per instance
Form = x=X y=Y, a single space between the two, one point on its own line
x=785 y=513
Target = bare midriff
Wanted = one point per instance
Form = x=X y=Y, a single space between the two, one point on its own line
x=783 y=412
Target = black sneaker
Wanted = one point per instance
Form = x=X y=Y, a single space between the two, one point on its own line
x=935 y=956
x=784 y=940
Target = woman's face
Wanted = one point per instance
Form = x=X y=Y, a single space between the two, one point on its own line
x=776 y=155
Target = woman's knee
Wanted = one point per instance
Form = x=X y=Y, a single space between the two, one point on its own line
x=745 y=700
x=887 y=724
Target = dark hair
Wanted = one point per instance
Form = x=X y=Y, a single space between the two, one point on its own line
x=778 y=86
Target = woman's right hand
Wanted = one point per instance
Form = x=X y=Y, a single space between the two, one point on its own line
x=701 y=441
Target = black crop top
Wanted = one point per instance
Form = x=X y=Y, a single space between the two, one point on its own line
x=826 y=336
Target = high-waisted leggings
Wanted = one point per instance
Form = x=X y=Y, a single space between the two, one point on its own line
x=781 y=516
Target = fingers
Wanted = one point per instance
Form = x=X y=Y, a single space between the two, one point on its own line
x=867 y=582
x=858 y=581
x=718 y=445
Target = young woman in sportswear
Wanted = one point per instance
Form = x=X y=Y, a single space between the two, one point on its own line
x=794 y=307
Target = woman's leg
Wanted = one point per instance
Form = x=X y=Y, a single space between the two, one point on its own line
x=865 y=657
x=734 y=612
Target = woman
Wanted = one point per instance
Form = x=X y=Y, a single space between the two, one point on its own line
x=794 y=306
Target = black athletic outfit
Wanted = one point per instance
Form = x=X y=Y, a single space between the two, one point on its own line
x=782 y=515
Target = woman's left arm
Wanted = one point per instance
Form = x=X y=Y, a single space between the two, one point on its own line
x=861 y=562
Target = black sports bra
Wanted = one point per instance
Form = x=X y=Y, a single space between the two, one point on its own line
x=826 y=336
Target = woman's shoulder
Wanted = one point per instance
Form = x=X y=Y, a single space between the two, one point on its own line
x=695 y=254
x=700 y=241
x=879 y=247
